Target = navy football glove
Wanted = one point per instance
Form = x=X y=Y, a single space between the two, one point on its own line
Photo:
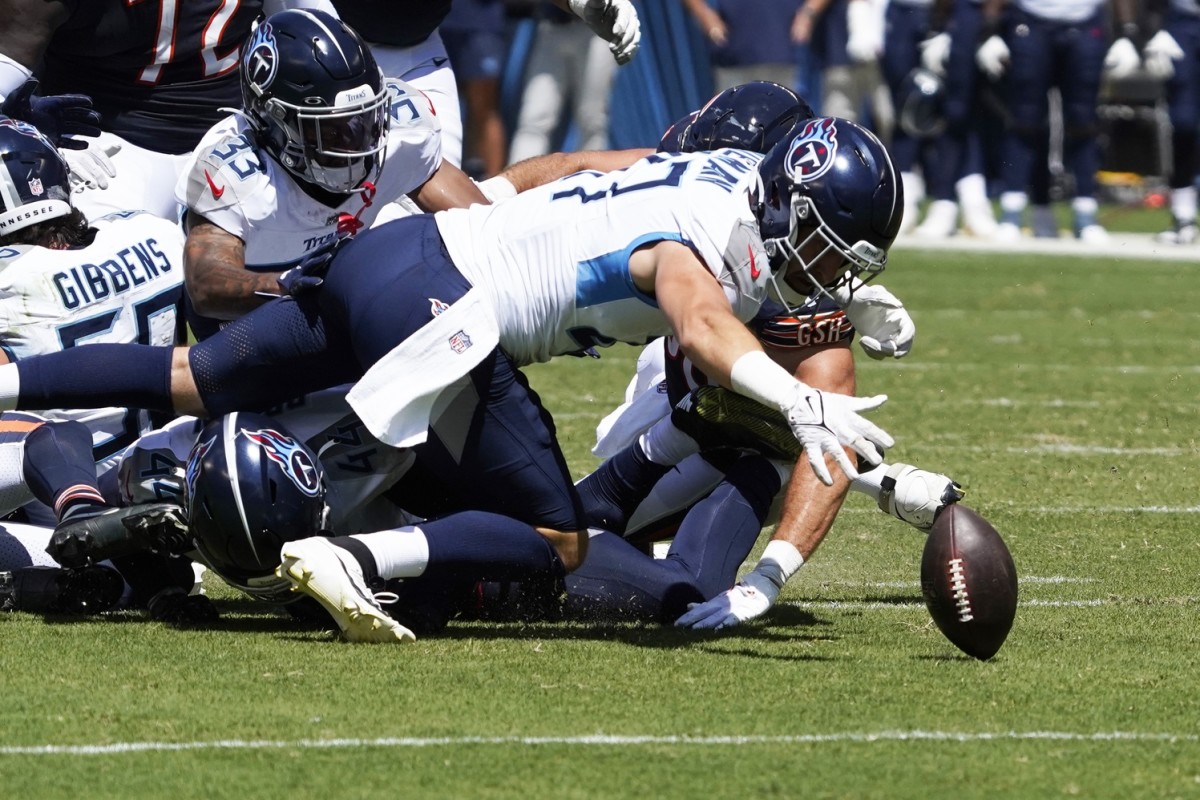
x=57 y=116
x=306 y=276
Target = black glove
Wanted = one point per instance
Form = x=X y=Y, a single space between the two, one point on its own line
x=56 y=116
x=306 y=276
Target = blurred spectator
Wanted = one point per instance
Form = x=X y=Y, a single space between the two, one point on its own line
x=749 y=39
x=568 y=66
x=1038 y=46
x=474 y=34
x=1173 y=53
x=956 y=177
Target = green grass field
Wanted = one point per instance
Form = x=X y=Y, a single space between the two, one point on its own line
x=1062 y=392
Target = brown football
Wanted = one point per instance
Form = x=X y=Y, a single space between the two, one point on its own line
x=969 y=581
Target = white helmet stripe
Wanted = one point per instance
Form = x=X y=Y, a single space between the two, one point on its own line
x=332 y=37
x=229 y=432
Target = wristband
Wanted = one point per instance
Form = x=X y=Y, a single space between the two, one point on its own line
x=497 y=188
x=756 y=376
x=779 y=561
x=12 y=75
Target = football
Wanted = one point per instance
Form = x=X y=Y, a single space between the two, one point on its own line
x=969 y=581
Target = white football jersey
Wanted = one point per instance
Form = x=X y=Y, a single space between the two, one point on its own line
x=1069 y=11
x=555 y=260
x=123 y=287
x=249 y=194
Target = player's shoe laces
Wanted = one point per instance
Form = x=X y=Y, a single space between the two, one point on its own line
x=331 y=576
x=79 y=541
x=54 y=590
x=916 y=496
x=716 y=417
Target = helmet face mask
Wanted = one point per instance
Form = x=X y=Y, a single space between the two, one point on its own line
x=829 y=205
x=313 y=91
x=34 y=178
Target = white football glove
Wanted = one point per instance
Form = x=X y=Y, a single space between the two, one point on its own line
x=824 y=421
x=1160 y=53
x=752 y=595
x=935 y=50
x=885 y=328
x=865 y=26
x=1122 y=59
x=614 y=21
x=992 y=56
x=91 y=168
x=744 y=601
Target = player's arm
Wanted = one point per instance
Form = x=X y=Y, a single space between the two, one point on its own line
x=448 y=187
x=28 y=26
x=540 y=170
x=215 y=274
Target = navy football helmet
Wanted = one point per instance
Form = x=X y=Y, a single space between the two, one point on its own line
x=828 y=196
x=316 y=97
x=250 y=486
x=752 y=116
x=922 y=104
x=34 y=184
x=672 y=140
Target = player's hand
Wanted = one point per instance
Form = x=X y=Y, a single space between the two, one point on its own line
x=614 y=21
x=865 y=28
x=1161 y=52
x=309 y=273
x=749 y=598
x=993 y=56
x=1122 y=59
x=935 y=50
x=886 y=330
x=91 y=168
x=824 y=422
x=58 y=116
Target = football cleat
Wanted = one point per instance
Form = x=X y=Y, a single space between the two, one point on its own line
x=916 y=496
x=80 y=541
x=1182 y=232
x=54 y=590
x=331 y=576
x=718 y=418
x=941 y=220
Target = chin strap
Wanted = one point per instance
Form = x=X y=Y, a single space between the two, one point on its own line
x=352 y=224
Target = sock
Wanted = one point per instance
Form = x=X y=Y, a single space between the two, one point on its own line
x=1183 y=204
x=97 y=376
x=615 y=489
x=476 y=545
x=667 y=445
x=60 y=471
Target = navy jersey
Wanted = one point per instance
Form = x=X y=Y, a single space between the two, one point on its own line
x=398 y=23
x=156 y=70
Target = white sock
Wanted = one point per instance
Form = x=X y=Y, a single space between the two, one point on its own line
x=399 y=553
x=870 y=482
x=972 y=189
x=666 y=445
x=1183 y=203
x=1085 y=205
x=1013 y=202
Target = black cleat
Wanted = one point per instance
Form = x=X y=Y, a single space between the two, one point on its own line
x=55 y=590
x=718 y=418
x=119 y=531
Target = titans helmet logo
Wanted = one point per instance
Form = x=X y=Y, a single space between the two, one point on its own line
x=192 y=471
x=23 y=128
x=262 y=57
x=285 y=451
x=812 y=153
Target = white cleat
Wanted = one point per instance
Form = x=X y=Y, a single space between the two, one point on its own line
x=941 y=221
x=331 y=576
x=916 y=496
x=1093 y=234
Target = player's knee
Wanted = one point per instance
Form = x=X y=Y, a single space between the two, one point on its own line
x=570 y=546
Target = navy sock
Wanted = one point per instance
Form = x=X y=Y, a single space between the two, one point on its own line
x=617 y=582
x=613 y=492
x=59 y=468
x=98 y=376
x=718 y=532
x=480 y=545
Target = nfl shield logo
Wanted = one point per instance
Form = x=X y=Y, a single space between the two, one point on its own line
x=35 y=187
x=812 y=152
x=459 y=342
